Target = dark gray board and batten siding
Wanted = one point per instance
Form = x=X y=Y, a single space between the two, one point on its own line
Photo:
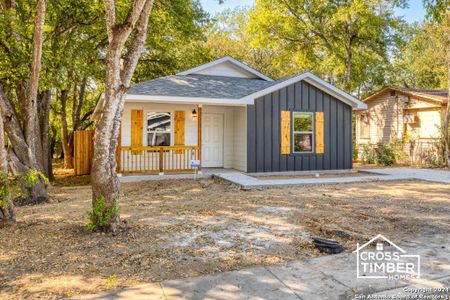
x=263 y=136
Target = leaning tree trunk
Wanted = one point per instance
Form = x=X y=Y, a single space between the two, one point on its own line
x=26 y=153
x=36 y=193
x=7 y=213
x=119 y=70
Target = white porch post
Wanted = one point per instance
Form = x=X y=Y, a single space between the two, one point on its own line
x=199 y=137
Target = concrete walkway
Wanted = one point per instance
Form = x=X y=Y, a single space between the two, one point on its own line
x=385 y=174
x=206 y=173
x=247 y=181
x=328 y=277
x=434 y=175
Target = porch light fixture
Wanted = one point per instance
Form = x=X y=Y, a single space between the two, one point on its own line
x=194 y=114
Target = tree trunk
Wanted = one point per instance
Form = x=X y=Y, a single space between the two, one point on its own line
x=44 y=125
x=37 y=193
x=105 y=183
x=447 y=110
x=68 y=158
x=7 y=211
x=26 y=137
x=348 y=71
x=53 y=142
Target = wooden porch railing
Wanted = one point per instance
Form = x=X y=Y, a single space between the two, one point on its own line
x=163 y=159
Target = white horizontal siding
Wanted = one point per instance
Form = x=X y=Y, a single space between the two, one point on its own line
x=235 y=138
x=226 y=69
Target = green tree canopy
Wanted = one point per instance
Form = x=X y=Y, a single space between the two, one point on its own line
x=420 y=62
x=344 y=41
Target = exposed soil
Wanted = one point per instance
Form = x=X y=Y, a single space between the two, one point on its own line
x=65 y=177
x=320 y=175
x=187 y=228
x=360 y=165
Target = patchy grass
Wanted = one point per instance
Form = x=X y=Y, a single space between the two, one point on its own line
x=187 y=228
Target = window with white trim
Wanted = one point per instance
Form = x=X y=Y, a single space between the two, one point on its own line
x=364 y=126
x=303 y=132
x=159 y=128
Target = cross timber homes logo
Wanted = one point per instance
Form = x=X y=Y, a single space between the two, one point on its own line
x=386 y=261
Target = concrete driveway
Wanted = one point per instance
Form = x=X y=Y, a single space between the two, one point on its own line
x=381 y=174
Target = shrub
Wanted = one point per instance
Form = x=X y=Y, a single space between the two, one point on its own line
x=4 y=189
x=368 y=154
x=32 y=177
x=101 y=214
x=398 y=146
x=354 y=151
x=15 y=186
x=435 y=157
x=385 y=155
x=439 y=159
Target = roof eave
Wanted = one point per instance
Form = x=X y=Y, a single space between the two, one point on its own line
x=413 y=94
x=187 y=100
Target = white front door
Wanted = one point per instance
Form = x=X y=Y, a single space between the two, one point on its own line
x=212 y=141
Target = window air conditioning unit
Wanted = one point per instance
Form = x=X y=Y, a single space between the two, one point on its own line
x=406 y=100
x=365 y=118
x=409 y=118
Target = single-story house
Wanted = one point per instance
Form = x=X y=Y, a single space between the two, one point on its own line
x=224 y=114
x=412 y=115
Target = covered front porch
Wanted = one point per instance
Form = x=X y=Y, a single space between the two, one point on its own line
x=166 y=138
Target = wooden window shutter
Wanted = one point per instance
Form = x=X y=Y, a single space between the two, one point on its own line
x=137 y=124
x=179 y=120
x=320 y=146
x=285 y=132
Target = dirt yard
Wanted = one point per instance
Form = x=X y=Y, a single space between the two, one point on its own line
x=187 y=228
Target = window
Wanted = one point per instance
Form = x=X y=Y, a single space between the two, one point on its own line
x=303 y=132
x=158 y=128
x=364 y=126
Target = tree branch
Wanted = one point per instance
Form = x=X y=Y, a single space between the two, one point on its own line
x=137 y=45
x=133 y=14
x=320 y=35
x=76 y=120
x=110 y=16
x=84 y=127
x=86 y=116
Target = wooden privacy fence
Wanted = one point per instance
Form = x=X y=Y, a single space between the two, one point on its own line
x=83 y=151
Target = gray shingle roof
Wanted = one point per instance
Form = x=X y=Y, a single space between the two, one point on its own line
x=435 y=93
x=438 y=95
x=200 y=86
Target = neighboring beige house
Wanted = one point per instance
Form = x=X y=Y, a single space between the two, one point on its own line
x=411 y=115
